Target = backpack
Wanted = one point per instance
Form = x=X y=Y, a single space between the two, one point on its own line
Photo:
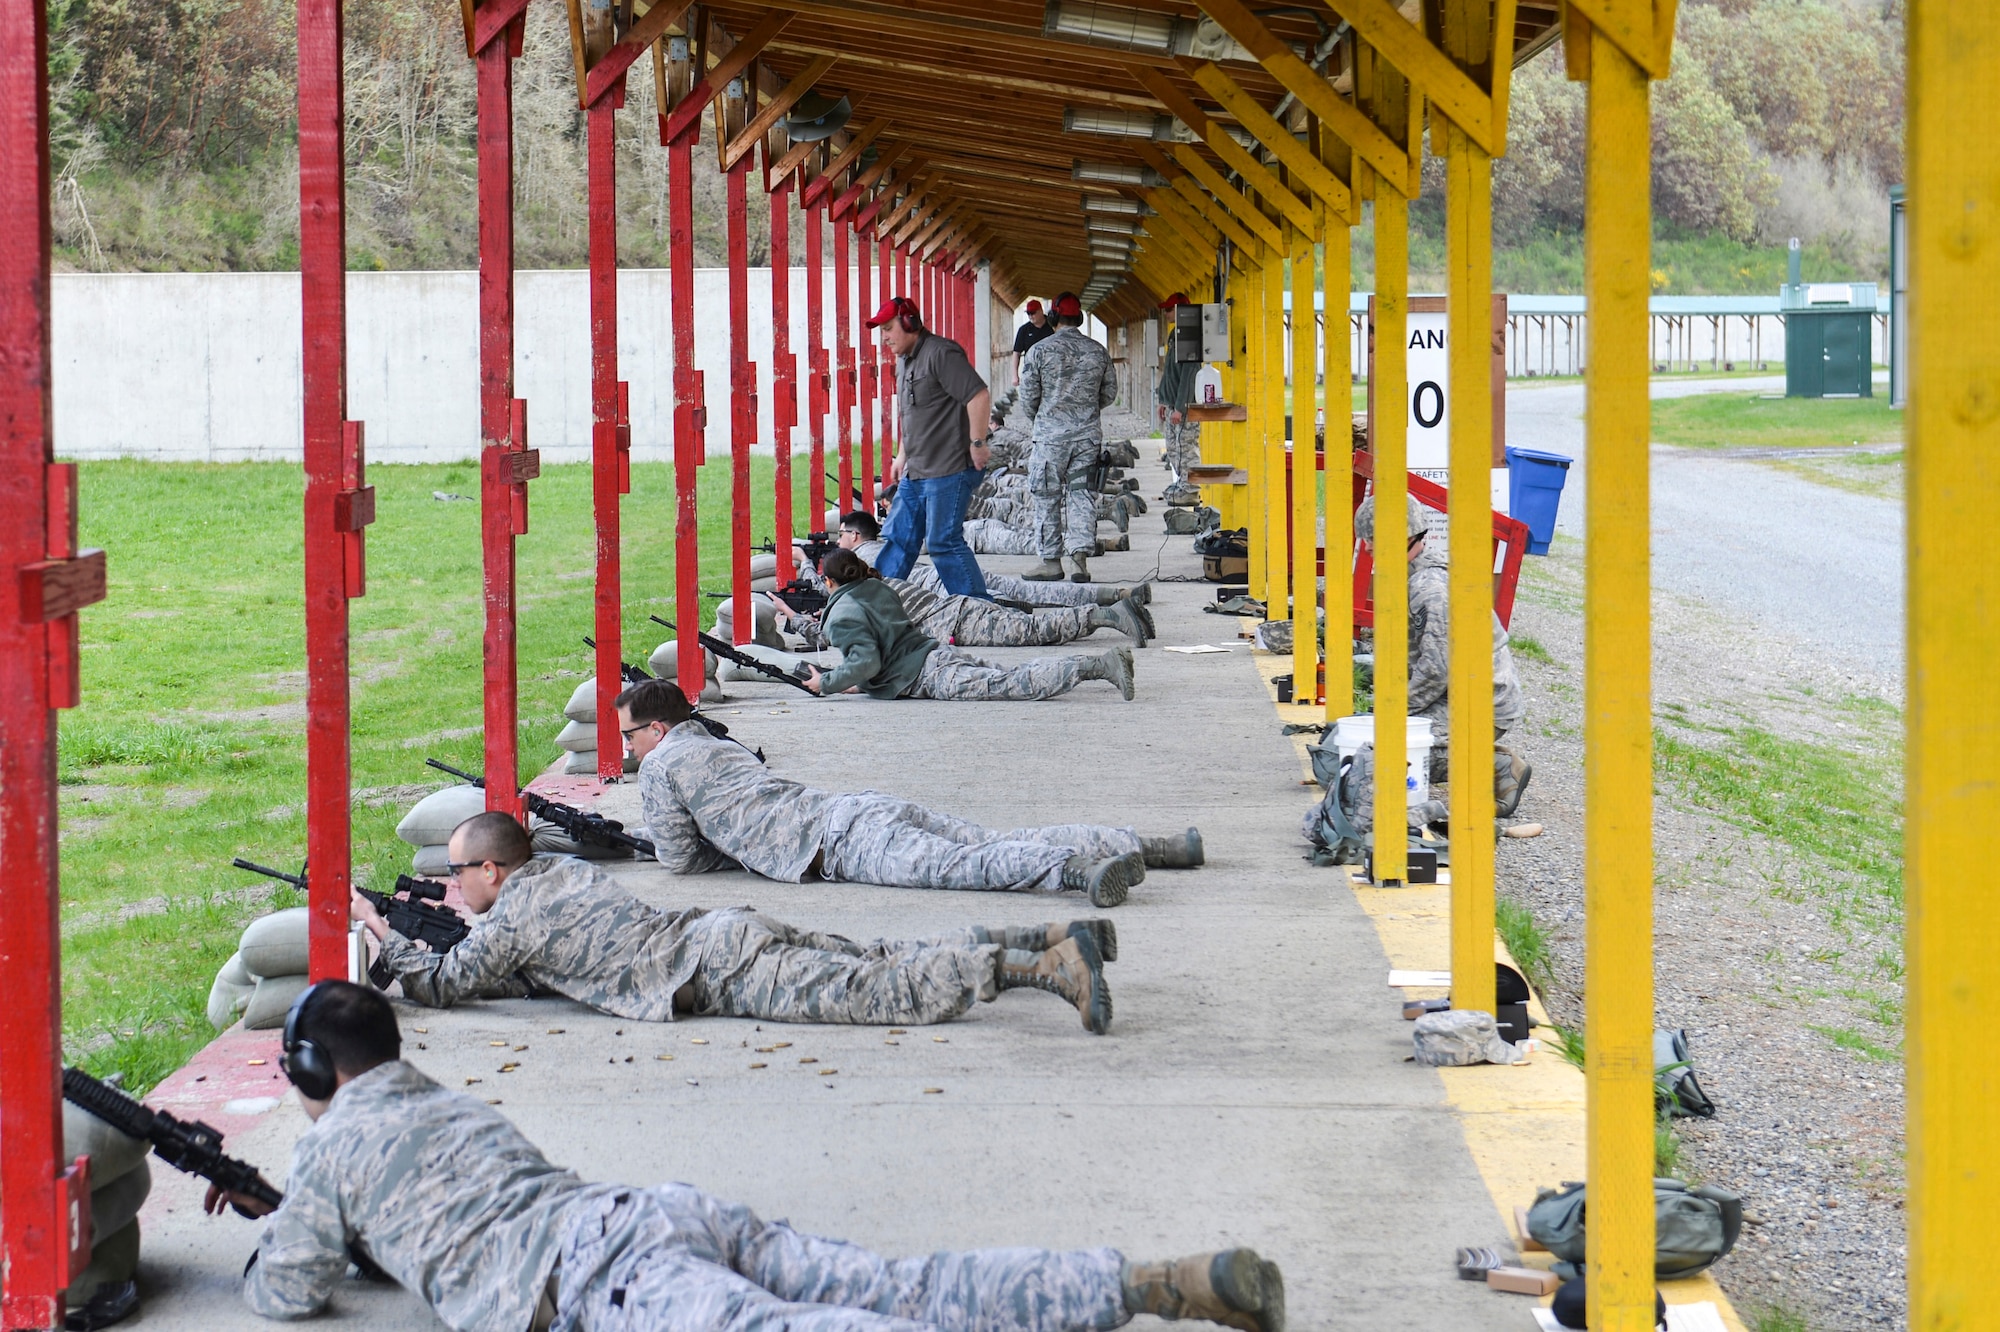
x=1337 y=838
x=1674 y=1087
x=1692 y=1227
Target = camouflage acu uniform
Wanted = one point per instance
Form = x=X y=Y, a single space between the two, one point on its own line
x=448 y=1198
x=1066 y=383
x=959 y=676
x=1010 y=588
x=709 y=804
x=1430 y=662
x=563 y=926
x=1183 y=438
x=975 y=623
x=990 y=536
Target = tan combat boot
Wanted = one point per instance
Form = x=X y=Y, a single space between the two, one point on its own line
x=1234 y=1287
x=1035 y=938
x=1073 y=969
x=1048 y=571
x=1121 y=617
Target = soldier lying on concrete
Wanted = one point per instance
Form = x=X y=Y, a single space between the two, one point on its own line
x=886 y=656
x=448 y=1198
x=1005 y=587
x=712 y=805
x=563 y=926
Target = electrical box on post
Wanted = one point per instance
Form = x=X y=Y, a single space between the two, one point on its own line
x=1188 y=335
x=1215 y=332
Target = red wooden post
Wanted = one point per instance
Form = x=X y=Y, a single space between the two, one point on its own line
x=864 y=339
x=742 y=394
x=690 y=413
x=843 y=350
x=816 y=387
x=44 y=1207
x=885 y=392
x=605 y=416
x=337 y=506
x=503 y=419
x=784 y=375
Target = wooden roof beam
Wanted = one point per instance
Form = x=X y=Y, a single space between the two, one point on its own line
x=774 y=107
x=1255 y=174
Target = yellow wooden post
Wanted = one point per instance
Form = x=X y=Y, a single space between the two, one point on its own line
x=1391 y=593
x=1469 y=267
x=1617 y=737
x=1305 y=471
x=1952 y=775
x=1251 y=431
x=1277 y=551
x=1338 y=281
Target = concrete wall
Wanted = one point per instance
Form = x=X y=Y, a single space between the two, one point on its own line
x=204 y=367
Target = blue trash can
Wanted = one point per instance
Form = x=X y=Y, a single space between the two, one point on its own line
x=1534 y=492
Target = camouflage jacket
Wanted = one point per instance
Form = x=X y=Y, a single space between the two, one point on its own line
x=1430 y=651
x=439 y=1190
x=561 y=925
x=710 y=804
x=1066 y=383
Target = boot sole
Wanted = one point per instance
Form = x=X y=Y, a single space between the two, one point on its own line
x=1199 y=855
x=1103 y=931
x=1096 y=1007
x=1111 y=884
x=1250 y=1285
x=1520 y=789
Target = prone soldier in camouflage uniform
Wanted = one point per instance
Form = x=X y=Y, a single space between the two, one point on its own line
x=1066 y=383
x=452 y=1202
x=1175 y=395
x=561 y=925
x=709 y=804
x=1430 y=660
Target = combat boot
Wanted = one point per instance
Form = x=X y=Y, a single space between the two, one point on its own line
x=1108 y=594
x=1081 y=564
x=1108 y=882
x=1139 y=594
x=1234 y=1287
x=1178 y=852
x=1073 y=969
x=1115 y=666
x=1510 y=780
x=1121 y=517
x=1048 y=571
x=1123 y=617
x=1036 y=938
x=1134 y=500
x=1116 y=541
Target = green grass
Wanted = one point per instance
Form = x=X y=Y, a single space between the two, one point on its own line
x=1524 y=940
x=1845 y=1038
x=188 y=749
x=1779 y=1318
x=1746 y=420
x=1529 y=648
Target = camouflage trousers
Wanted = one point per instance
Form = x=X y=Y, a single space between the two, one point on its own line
x=756 y=967
x=1065 y=508
x=960 y=677
x=973 y=623
x=1009 y=588
x=990 y=536
x=674 y=1259
x=876 y=838
x=1183 y=452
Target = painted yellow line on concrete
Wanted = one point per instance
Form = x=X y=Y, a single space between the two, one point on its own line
x=1524 y=1123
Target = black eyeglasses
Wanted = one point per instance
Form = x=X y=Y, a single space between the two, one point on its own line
x=455 y=867
x=629 y=733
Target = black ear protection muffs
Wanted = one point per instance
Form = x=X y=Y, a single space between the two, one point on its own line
x=309 y=1067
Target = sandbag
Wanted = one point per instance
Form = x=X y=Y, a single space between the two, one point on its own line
x=114 y=1205
x=764 y=628
x=275 y=945
x=576 y=737
x=431 y=821
x=582 y=705
x=583 y=763
x=113 y=1260
x=666 y=662
x=230 y=992
x=111 y=1153
x=431 y=862
x=271 y=1000
x=549 y=840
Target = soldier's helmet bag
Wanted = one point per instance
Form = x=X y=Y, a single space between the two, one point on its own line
x=1692 y=1226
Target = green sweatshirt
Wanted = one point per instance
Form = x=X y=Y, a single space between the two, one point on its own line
x=880 y=649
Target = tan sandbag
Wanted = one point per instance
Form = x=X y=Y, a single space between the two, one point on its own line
x=114 y=1205
x=431 y=822
x=114 y=1258
x=270 y=1001
x=275 y=945
x=583 y=763
x=431 y=862
x=764 y=628
x=666 y=663
x=230 y=992
x=549 y=840
x=578 y=736
x=582 y=705
x=111 y=1153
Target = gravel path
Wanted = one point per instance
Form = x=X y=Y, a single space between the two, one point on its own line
x=1755 y=954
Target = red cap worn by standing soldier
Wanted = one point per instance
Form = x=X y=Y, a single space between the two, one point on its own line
x=897 y=307
x=1178 y=298
x=1034 y=307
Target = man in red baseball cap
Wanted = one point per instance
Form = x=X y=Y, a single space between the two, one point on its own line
x=1174 y=395
x=943 y=407
x=1030 y=333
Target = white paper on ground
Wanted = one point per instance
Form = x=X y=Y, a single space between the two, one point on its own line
x=1198 y=649
x=1401 y=979
x=1701 y=1317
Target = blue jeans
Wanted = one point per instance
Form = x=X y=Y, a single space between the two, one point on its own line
x=931 y=512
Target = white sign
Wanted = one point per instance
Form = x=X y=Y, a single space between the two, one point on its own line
x=1429 y=381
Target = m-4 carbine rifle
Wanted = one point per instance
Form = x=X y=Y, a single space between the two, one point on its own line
x=414 y=909
x=188 y=1145
x=627 y=672
x=728 y=652
x=580 y=826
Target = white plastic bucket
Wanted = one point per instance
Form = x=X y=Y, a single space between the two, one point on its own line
x=1350 y=733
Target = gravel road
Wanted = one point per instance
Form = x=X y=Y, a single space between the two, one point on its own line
x=1813 y=567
